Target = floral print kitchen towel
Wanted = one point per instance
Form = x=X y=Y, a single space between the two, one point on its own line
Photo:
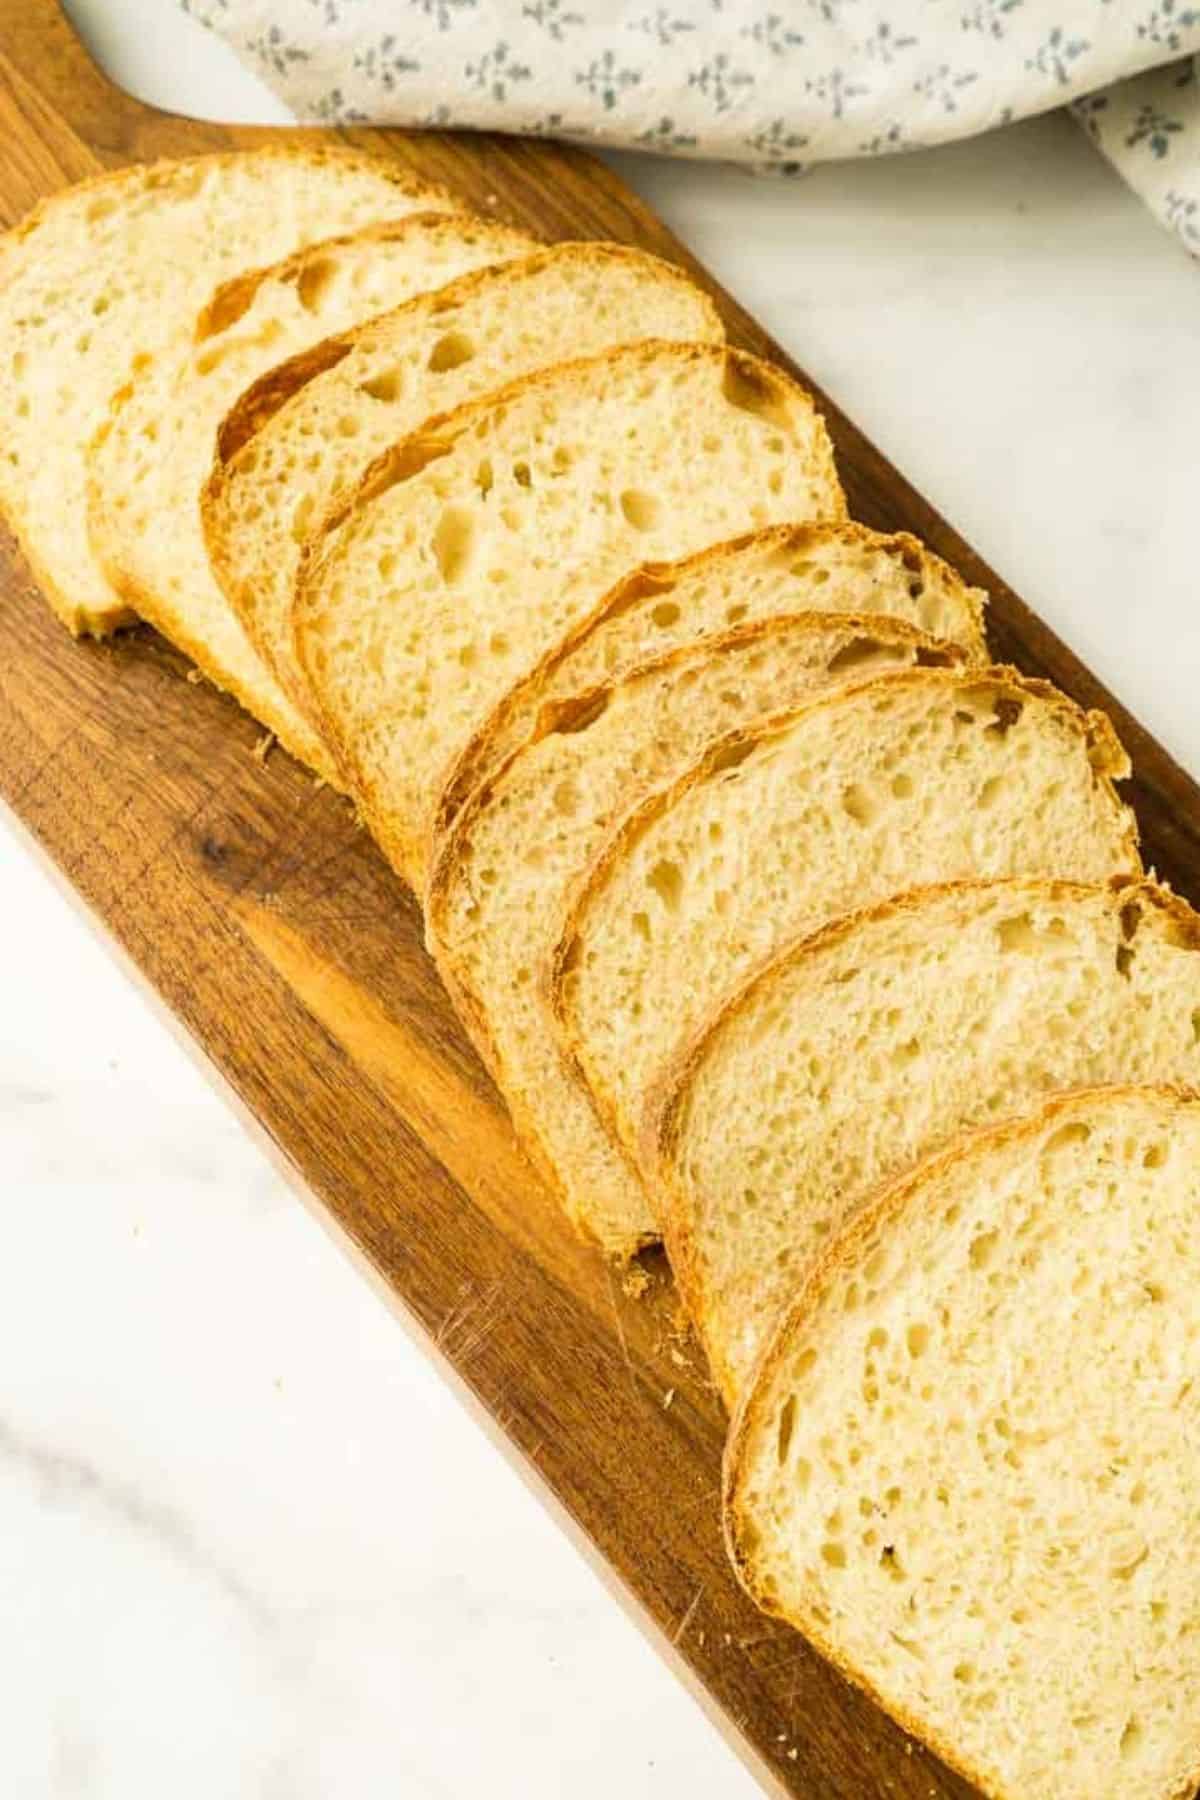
x=774 y=83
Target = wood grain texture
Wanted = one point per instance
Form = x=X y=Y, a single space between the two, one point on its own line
x=273 y=931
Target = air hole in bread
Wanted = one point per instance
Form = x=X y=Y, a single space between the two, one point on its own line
x=859 y=804
x=990 y=792
x=387 y=386
x=1078 y=1132
x=902 y=785
x=314 y=282
x=752 y=389
x=1006 y=711
x=566 y=797
x=834 y=1555
x=218 y=353
x=860 y=653
x=665 y=614
x=729 y=756
x=643 y=511
x=522 y=474
x=1125 y=955
x=787 y=1424
x=666 y=880
x=889 y=1561
x=983 y=1249
x=301 y=518
x=1020 y=935
x=227 y=306
x=454 y=543
x=1130 y=916
x=1131 y=1738
x=641 y=924
x=917 y=1338
x=451 y=352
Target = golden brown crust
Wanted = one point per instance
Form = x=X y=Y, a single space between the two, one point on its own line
x=474 y=762
x=882 y=1211
x=167 y=170
x=1095 y=727
x=410 y=853
x=662 y=1116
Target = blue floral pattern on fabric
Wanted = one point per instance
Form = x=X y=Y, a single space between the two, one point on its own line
x=777 y=84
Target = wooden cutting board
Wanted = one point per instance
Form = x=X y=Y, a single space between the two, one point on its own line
x=277 y=938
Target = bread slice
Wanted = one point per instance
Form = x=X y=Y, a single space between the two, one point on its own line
x=928 y=775
x=499 y=890
x=153 y=454
x=301 y=437
x=471 y=549
x=967 y=1464
x=856 y=1052
x=118 y=266
x=840 y=568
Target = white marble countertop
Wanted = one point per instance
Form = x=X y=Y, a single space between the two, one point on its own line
x=250 y=1545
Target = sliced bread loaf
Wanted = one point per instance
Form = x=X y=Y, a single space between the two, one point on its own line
x=154 y=451
x=928 y=775
x=783 y=568
x=966 y=1466
x=468 y=551
x=854 y=1053
x=301 y=437
x=119 y=266
x=499 y=889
